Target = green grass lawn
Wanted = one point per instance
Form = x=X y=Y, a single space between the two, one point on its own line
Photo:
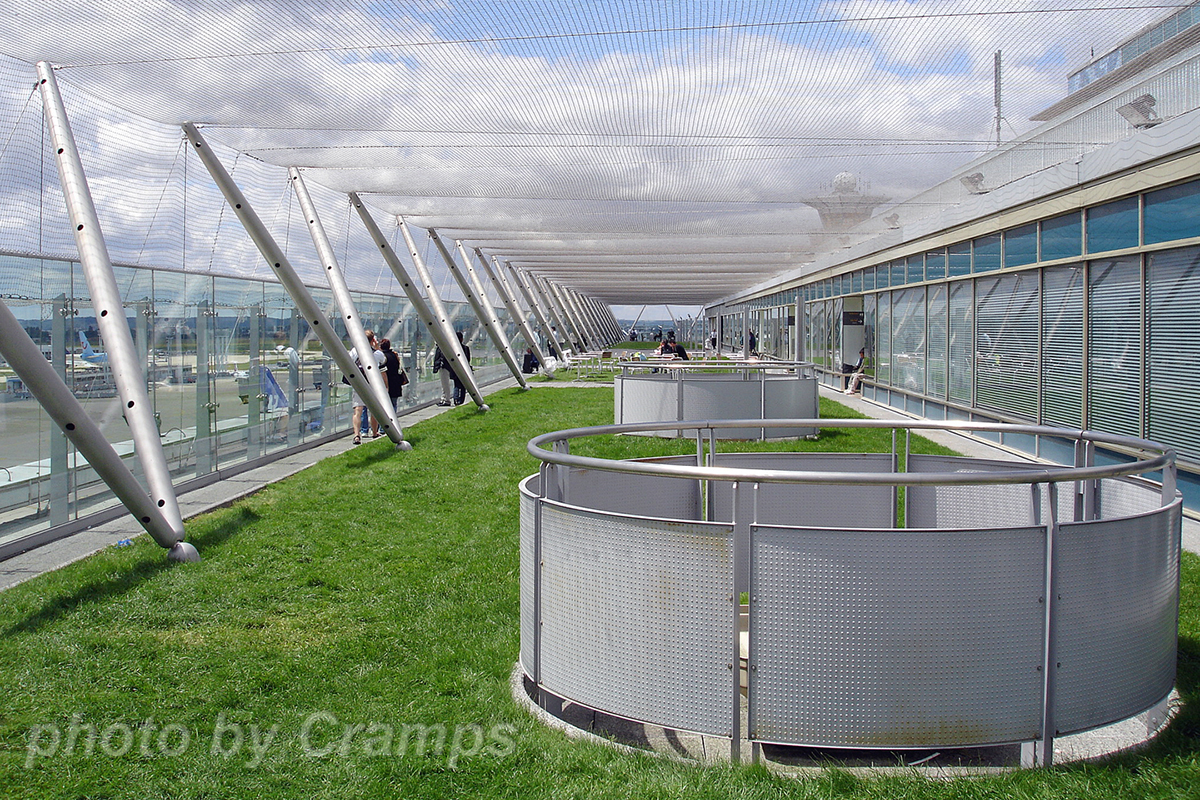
x=343 y=614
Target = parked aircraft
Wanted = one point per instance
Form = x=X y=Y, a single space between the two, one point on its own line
x=88 y=354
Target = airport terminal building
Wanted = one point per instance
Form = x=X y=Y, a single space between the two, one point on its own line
x=1046 y=282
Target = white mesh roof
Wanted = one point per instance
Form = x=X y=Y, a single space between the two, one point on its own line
x=639 y=151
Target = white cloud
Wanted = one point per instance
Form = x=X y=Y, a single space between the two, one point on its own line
x=673 y=134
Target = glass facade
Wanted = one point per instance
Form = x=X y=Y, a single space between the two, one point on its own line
x=1062 y=237
x=1172 y=213
x=1113 y=226
x=234 y=373
x=1106 y=343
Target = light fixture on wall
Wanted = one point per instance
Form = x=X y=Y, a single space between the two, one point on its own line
x=974 y=183
x=893 y=221
x=1140 y=112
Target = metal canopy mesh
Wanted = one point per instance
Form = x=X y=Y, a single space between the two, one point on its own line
x=639 y=151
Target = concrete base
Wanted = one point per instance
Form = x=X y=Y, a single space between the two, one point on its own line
x=580 y=722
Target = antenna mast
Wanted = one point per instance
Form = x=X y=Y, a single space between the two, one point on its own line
x=996 y=81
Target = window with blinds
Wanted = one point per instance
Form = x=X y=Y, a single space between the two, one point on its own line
x=817 y=346
x=883 y=329
x=935 y=342
x=961 y=329
x=1006 y=331
x=835 y=334
x=908 y=339
x=1062 y=346
x=1173 y=406
x=869 y=328
x=1115 y=346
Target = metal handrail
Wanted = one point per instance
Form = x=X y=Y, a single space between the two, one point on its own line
x=1164 y=458
x=703 y=365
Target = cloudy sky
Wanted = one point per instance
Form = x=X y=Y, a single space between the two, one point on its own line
x=641 y=151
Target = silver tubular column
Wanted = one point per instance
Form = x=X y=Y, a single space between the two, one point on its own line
x=594 y=334
x=455 y=353
x=609 y=321
x=601 y=319
x=555 y=295
x=296 y=289
x=486 y=316
x=540 y=287
x=614 y=326
x=493 y=318
x=618 y=334
x=535 y=303
x=43 y=381
x=514 y=308
x=576 y=301
x=341 y=293
x=561 y=296
x=424 y=312
x=110 y=317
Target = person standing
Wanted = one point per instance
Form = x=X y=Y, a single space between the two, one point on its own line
x=441 y=367
x=460 y=388
x=393 y=371
x=359 y=419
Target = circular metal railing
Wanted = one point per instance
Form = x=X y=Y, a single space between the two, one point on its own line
x=1148 y=456
x=806 y=598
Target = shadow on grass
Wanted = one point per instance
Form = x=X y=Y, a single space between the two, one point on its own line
x=1181 y=738
x=1183 y=734
x=147 y=568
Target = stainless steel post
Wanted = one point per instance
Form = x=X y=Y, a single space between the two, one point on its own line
x=290 y=281
x=535 y=304
x=110 y=311
x=205 y=406
x=254 y=387
x=1045 y=747
x=345 y=302
x=487 y=317
x=60 y=468
x=741 y=551
x=60 y=404
x=514 y=308
x=451 y=348
x=424 y=312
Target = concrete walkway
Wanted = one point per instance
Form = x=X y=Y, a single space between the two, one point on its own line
x=222 y=493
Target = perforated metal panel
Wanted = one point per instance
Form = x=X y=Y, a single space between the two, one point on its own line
x=1118 y=583
x=1125 y=498
x=638 y=495
x=811 y=505
x=528 y=508
x=646 y=398
x=895 y=638
x=966 y=506
x=637 y=618
x=729 y=398
x=652 y=398
x=790 y=398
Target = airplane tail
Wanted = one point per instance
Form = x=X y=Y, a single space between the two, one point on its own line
x=87 y=351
